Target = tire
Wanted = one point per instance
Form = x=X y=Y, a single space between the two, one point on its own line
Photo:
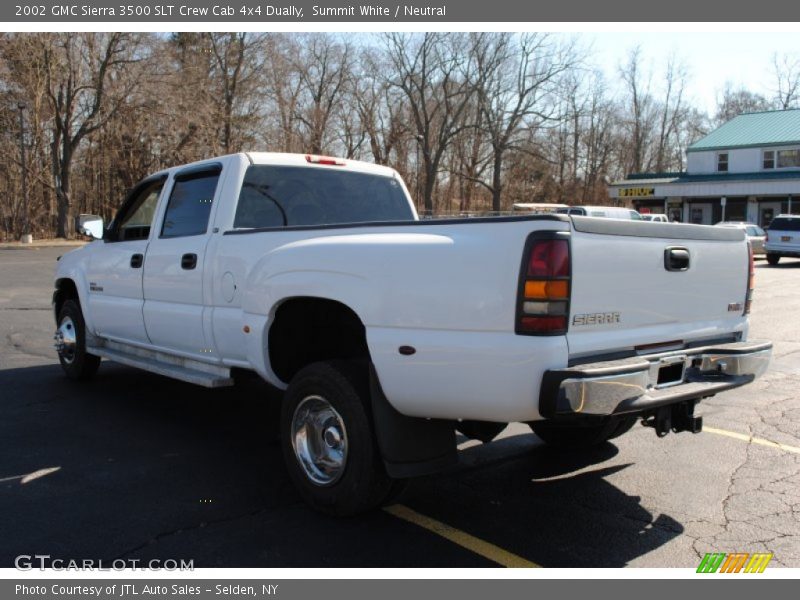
x=580 y=437
x=77 y=364
x=328 y=441
x=773 y=259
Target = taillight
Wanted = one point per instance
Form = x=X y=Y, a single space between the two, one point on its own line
x=766 y=236
x=751 y=279
x=324 y=160
x=544 y=289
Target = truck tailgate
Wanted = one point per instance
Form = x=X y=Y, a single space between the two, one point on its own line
x=632 y=288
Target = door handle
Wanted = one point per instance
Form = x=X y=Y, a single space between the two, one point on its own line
x=676 y=258
x=136 y=261
x=188 y=261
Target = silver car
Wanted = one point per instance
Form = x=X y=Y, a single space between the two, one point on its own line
x=755 y=235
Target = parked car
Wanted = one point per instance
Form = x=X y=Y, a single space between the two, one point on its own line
x=655 y=218
x=783 y=238
x=608 y=212
x=388 y=334
x=755 y=235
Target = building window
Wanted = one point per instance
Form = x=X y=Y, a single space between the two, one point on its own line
x=722 y=162
x=788 y=158
x=782 y=159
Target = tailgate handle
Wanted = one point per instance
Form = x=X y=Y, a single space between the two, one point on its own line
x=676 y=258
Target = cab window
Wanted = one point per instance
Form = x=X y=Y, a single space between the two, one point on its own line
x=286 y=196
x=136 y=216
x=189 y=206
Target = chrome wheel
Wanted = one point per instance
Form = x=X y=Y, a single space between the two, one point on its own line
x=66 y=340
x=319 y=439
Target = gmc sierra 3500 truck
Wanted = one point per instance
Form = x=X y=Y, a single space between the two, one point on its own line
x=389 y=334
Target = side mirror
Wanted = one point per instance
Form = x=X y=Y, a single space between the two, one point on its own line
x=90 y=225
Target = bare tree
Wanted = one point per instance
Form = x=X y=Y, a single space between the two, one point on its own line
x=515 y=77
x=283 y=86
x=324 y=68
x=432 y=70
x=236 y=69
x=380 y=107
x=87 y=83
x=639 y=108
x=735 y=102
x=787 y=79
x=673 y=113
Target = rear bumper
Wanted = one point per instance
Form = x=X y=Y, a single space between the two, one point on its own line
x=782 y=251
x=637 y=384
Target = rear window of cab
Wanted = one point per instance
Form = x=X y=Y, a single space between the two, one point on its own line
x=285 y=196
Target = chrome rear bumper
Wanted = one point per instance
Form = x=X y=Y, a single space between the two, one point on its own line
x=643 y=382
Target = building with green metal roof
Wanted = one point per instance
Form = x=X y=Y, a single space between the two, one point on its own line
x=745 y=170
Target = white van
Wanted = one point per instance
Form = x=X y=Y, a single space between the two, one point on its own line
x=607 y=212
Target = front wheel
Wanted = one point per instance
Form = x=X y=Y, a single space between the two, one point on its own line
x=773 y=258
x=70 y=339
x=578 y=437
x=328 y=442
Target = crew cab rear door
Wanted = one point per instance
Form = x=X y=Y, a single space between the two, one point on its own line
x=173 y=272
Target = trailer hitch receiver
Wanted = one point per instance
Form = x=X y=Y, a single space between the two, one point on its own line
x=676 y=418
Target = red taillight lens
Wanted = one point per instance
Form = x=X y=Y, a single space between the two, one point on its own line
x=544 y=324
x=549 y=258
x=544 y=291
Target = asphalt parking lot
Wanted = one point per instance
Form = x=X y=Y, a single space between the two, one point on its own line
x=133 y=465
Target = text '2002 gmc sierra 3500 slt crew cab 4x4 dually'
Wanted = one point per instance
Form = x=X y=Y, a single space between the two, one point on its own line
x=388 y=334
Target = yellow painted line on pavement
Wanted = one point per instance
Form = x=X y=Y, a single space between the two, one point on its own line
x=463 y=539
x=752 y=440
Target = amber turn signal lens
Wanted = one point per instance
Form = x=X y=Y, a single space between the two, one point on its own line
x=546 y=289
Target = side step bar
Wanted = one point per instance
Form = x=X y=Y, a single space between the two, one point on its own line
x=175 y=367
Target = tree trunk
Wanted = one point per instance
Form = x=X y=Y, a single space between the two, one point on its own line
x=430 y=183
x=64 y=224
x=497 y=180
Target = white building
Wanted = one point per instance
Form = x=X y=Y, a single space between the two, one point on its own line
x=746 y=170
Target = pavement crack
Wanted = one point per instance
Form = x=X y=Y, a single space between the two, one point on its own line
x=202 y=524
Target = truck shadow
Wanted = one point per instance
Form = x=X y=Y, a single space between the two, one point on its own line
x=138 y=466
x=555 y=508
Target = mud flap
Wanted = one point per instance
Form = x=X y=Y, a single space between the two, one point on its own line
x=410 y=446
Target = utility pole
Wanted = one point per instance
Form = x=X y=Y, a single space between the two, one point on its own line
x=27 y=238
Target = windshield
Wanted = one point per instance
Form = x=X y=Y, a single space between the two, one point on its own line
x=279 y=196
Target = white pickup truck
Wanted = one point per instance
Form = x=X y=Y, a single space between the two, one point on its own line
x=389 y=334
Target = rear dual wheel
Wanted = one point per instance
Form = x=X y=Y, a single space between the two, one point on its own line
x=328 y=442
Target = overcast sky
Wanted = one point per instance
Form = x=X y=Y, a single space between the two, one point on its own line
x=712 y=58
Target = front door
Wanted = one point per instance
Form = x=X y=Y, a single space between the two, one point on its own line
x=173 y=271
x=115 y=269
